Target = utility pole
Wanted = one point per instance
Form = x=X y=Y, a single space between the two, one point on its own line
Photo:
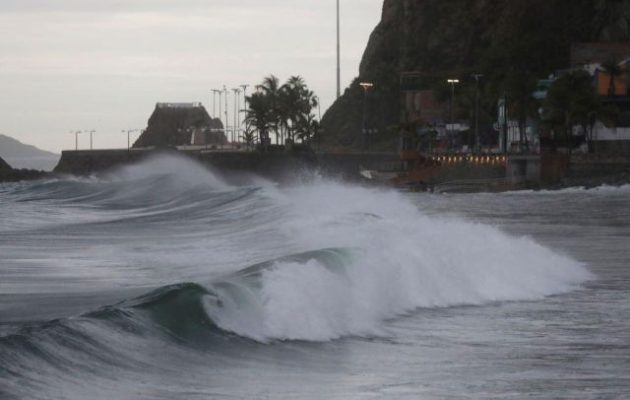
x=91 y=133
x=220 y=97
x=225 y=91
x=366 y=86
x=338 y=53
x=451 y=107
x=237 y=104
x=214 y=103
x=319 y=122
x=245 y=86
x=477 y=147
x=128 y=131
x=76 y=139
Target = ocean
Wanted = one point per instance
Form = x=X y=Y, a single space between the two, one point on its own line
x=162 y=281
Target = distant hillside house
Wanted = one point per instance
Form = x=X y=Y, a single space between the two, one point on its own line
x=181 y=124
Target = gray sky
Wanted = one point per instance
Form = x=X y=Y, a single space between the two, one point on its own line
x=84 y=64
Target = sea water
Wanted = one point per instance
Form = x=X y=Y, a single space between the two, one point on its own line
x=162 y=281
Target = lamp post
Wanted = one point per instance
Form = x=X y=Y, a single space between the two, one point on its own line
x=366 y=87
x=477 y=138
x=319 y=121
x=214 y=103
x=91 y=133
x=237 y=105
x=220 y=93
x=453 y=82
x=338 y=52
x=76 y=139
x=128 y=131
x=225 y=91
x=245 y=86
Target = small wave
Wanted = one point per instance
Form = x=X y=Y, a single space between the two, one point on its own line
x=602 y=189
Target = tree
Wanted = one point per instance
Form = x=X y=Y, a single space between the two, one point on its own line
x=271 y=91
x=519 y=86
x=260 y=115
x=283 y=109
x=307 y=127
x=571 y=101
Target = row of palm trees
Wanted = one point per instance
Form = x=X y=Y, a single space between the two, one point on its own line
x=282 y=110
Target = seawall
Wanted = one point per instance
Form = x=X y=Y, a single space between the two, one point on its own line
x=277 y=166
x=547 y=171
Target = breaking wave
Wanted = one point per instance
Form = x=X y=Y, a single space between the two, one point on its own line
x=337 y=261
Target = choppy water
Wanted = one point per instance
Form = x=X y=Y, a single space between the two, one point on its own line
x=160 y=281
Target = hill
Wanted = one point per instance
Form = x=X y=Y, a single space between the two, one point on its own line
x=175 y=124
x=20 y=155
x=4 y=166
x=437 y=39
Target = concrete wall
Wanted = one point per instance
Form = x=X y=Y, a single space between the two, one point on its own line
x=277 y=166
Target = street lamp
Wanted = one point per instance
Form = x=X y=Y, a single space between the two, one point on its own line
x=237 y=106
x=245 y=86
x=338 y=53
x=214 y=103
x=366 y=87
x=76 y=139
x=91 y=133
x=453 y=82
x=477 y=138
x=128 y=131
x=225 y=91
x=220 y=93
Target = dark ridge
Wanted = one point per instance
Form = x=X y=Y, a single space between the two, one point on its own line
x=8 y=174
x=4 y=166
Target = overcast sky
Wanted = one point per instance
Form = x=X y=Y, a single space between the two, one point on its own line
x=85 y=64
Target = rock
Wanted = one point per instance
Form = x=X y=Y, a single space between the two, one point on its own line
x=8 y=174
x=176 y=124
x=4 y=166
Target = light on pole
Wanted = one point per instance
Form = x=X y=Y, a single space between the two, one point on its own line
x=477 y=138
x=76 y=139
x=91 y=133
x=338 y=52
x=319 y=125
x=237 y=105
x=220 y=93
x=225 y=91
x=128 y=131
x=366 y=87
x=453 y=82
x=214 y=103
x=245 y=86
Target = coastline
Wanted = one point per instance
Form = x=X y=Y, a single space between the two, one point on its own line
x=285 y=167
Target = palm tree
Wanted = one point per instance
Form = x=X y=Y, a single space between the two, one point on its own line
x=282 y=109
x=307 y=127
x=520 y=85
x=271 y=90
x=614 y=71
x=260 y=115
x=295 y=102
